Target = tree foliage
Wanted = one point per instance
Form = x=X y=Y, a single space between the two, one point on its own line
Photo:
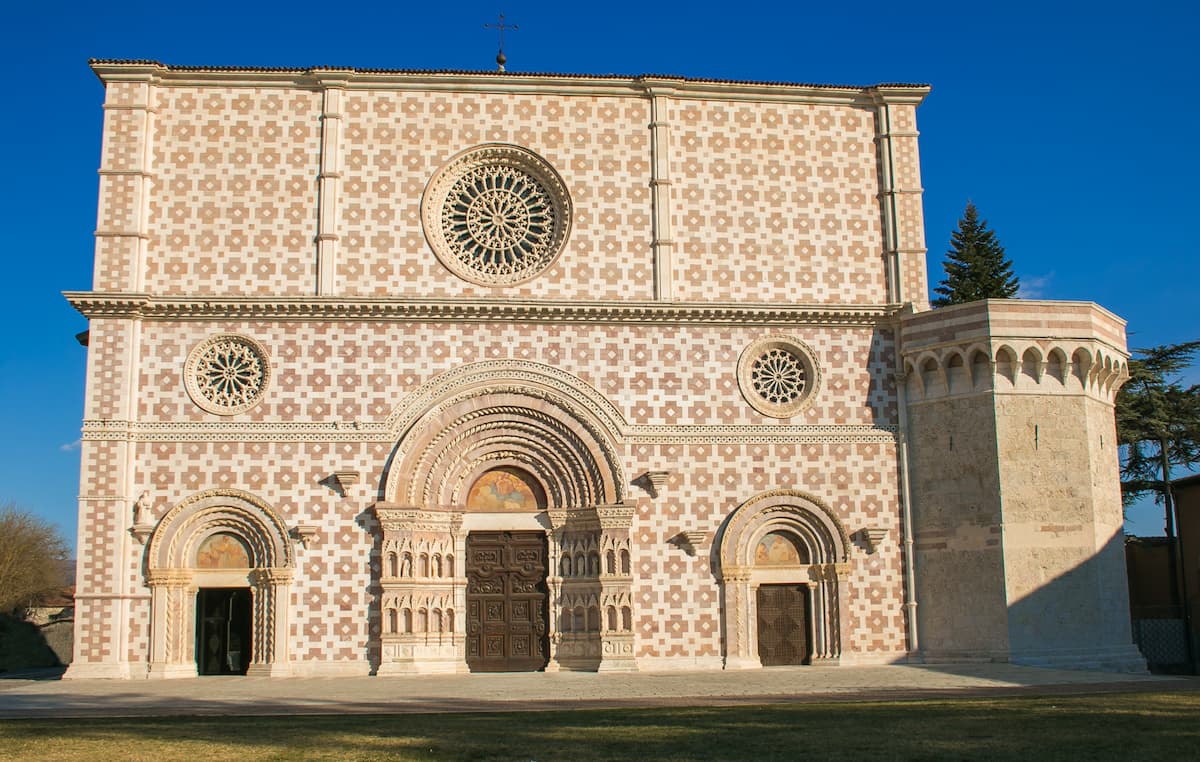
x=976 y=266
x=1158 y=422
x=32 y=556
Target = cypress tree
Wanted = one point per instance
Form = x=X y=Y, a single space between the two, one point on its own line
x=976 y=267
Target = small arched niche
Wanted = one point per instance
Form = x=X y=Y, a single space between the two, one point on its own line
x=506 y=489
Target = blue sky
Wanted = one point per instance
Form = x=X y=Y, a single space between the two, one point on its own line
x=1069 y=124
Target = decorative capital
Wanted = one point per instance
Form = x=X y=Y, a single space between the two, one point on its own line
x=271 y=576
x=616 y=516
x=169 y=577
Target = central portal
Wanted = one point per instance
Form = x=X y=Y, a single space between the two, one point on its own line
x=507 y=602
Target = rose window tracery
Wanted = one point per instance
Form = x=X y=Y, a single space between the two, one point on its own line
x=778 y=376
x=496 y=215
x=227 y=374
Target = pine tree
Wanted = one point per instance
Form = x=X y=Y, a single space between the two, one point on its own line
x=976 y=267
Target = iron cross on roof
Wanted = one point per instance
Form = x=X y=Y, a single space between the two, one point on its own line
x=500 y=59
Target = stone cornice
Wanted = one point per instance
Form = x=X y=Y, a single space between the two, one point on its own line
x=156 y=73
x=97 y=304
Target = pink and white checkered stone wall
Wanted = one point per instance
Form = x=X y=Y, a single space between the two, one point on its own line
x=209 y=189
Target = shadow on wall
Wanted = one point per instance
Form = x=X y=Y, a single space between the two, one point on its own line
x=1078 y=619
x=25 y=645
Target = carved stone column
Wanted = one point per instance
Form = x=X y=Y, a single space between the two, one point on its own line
x=172 y=630
x=554 y=583
x=269 y=594
x=735 y=593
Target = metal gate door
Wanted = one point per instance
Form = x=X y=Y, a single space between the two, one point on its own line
x=507 y=602
x=783 y=624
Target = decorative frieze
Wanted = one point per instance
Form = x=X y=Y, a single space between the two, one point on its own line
x=94 y=304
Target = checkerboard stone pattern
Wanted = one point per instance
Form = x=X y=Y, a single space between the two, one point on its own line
x=210 y=194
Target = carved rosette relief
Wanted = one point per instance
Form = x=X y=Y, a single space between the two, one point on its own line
x=227 y=373
x=496 y=215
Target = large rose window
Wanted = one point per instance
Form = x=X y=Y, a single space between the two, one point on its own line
x=496 y=215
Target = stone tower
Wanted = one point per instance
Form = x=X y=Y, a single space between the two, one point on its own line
x=1015 y=494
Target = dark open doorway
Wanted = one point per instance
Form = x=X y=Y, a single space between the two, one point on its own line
x=223 y=630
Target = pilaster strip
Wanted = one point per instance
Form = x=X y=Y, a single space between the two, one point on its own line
x=887 y=200
x=660 y=192
x=329 y=180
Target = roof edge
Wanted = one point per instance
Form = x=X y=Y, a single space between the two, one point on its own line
x=115 y=69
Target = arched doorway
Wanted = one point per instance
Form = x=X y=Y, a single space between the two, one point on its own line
x=219 y=566
x=507 y=597
x=783 y=615
x=223 y=614
x=511 y=468
x=782 y=558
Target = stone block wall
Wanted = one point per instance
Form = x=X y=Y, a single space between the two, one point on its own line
x=1031 y=385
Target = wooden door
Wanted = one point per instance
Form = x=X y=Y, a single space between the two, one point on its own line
x=507 y=602
x=783 y=624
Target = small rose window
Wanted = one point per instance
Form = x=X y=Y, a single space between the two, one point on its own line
x=778 y=376
x=227 y=373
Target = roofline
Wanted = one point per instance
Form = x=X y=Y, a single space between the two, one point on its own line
x=118 y=70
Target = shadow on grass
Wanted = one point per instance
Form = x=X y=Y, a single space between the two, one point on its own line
x=1145 y=726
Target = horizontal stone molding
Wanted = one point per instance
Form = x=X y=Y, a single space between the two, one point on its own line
x=338 y=431
x=98 y=304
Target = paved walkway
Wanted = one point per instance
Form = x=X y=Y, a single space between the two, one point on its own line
x=537 y=691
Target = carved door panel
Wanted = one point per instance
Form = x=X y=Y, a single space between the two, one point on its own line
x=783 y=624
x=507 y=602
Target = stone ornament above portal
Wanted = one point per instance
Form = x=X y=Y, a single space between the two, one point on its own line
x=227 y=373
x=496 y=215
x=778 y=376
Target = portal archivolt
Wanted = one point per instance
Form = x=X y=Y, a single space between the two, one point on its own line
x=221 y=538
x=779 y=538
x=501 y=449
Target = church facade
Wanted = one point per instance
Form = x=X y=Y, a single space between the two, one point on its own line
x=399 y=372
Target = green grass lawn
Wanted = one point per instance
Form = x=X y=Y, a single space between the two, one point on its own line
x=1121 y=726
